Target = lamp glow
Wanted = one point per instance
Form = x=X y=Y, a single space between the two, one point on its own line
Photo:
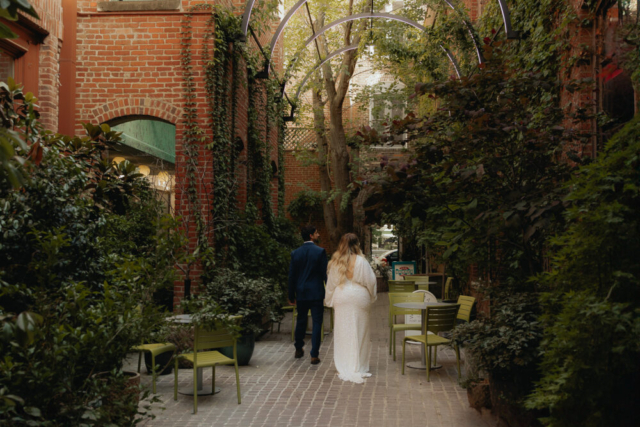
x=118 y=160
x=144 y=170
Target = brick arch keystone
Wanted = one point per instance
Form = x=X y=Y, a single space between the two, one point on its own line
x=136 y=107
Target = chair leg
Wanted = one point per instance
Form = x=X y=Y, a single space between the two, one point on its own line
x=428 y=363
x=139 y=360
x=390 y=338
x=153 y=372
x=175 y=381
x=322 y=328
x=458 y=360
x=195 y=390
x=403 y=347
x=394 y=345
x=435 y=355
x=331 y=311
x=237 y=381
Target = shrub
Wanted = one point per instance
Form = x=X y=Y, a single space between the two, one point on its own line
x=237 y=294
x=75 y=294
x=591 y=315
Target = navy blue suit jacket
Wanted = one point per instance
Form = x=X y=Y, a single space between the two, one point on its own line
x=307 y=273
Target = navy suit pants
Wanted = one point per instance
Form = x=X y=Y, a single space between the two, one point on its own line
x=317 y=313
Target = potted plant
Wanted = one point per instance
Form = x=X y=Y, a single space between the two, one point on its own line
x=236 y=294
x=382 y=270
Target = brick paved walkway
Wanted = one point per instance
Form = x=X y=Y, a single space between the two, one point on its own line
x=278 y=390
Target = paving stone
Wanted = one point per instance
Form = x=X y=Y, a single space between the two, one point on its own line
x=279 y=390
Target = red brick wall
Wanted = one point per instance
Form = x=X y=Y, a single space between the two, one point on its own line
x=50 y=12
x=130 y=64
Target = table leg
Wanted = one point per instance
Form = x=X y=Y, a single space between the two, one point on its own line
x=203 y=390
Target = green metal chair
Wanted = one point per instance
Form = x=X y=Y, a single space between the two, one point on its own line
x=394 y=311
x=437 y=319
x=154 y=349
x=466 y=305
x=396 y=286
x=205 y=339
x=284 y=308
x=447 y=288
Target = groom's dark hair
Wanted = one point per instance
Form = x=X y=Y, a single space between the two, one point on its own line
x=307 y=231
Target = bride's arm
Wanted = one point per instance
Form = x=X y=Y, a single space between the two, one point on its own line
x=366 y=277
x=370 y=278
x=332 y=282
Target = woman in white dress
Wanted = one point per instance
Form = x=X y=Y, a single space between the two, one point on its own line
x=351 y=288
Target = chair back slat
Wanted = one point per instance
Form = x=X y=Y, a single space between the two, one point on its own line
x=401 y=286
x=447 y=288
x=206 y=339
x=466 y=305
x=441 y=319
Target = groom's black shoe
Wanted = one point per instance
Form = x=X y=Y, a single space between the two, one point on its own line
x=315 y=360
x=299 y=353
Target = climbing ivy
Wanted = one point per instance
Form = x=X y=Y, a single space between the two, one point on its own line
x=222 y=61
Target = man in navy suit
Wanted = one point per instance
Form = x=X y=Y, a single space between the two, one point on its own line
x=307 y=276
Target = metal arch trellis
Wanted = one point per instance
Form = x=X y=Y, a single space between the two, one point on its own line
x=504 y=9
x=510 y=33
x=353 y=47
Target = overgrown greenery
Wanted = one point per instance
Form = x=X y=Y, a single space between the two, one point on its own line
x=255 y=242
x=591 y=305
x=256 y=300
x=84 y=247
x=224 y=62
x=497 y=181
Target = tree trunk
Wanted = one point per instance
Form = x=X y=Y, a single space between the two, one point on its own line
x=328 y=209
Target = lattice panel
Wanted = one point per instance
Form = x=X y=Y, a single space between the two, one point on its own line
x=299 y=138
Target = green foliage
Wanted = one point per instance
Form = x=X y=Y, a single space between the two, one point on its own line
x=75 y=294
x=306 y=206
x=237 y=294
x=260 y=254
x=590 y=362
x=9 y=10
x=228 y=58
x=485 y=172
x=505 y=344
x=592 y=304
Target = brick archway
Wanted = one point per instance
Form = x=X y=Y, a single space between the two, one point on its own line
x=136 y=107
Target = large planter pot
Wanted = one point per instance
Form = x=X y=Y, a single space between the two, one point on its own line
x=244 y=347
x=479 y=395
x=382 y=284
x=163 y=360
x=506 y=401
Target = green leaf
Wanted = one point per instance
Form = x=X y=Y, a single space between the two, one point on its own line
x=5 y=32
x=34 y=412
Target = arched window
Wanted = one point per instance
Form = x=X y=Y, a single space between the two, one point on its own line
x=150 y=144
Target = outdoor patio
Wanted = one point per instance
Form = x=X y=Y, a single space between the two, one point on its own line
x=278 y=390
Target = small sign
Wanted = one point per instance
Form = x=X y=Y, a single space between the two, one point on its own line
x=403 y=268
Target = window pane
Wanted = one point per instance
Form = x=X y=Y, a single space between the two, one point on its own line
x=6 y=66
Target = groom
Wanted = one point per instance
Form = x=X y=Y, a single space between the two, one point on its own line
x=307 y=276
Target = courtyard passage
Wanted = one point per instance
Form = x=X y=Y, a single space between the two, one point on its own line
x=279 y=390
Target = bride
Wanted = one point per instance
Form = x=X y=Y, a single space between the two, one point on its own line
x=351 y=288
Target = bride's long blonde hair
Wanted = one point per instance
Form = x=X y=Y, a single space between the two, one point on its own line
x=349 y=244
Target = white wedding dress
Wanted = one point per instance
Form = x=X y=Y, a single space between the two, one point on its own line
x=351 y=301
